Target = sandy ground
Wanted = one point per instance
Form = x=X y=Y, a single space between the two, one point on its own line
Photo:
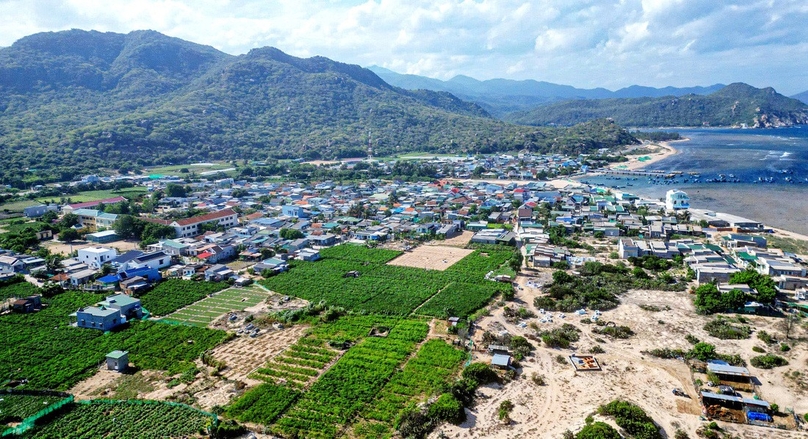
x=666 y=150
x=88 y=389
x=431 y=257
x=66 y=249
x=460 y=240
x=569 y=396
x=245 y=354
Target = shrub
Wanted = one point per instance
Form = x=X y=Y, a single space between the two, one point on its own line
x=765 y=337
x=703 y=351
x=598 y=430
x=758 y=349
x=560 y=337
x=632 y=418
x=615 y=331
x=538 y=379
x=560 y=359
x=691 y=339
x=464 y=389
x=596 y=349
x=505 y=408
x=768 y=361
x=784 y=347
x=447 y=408
x=721 y=328
x=480 y=372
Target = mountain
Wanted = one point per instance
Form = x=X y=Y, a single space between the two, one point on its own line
x=74 y=101
x=734 y=105
x=801 y=96
x=503 y=96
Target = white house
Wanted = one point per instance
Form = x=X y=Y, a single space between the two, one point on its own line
x=96 y=256
x=156 y=261
x=676 y=200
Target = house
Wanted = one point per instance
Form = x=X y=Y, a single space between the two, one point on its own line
x=293 y=211
x=28 y=304
x=81 y=277
x=427 y=228
x=187 y=227
x=134 y=285
x=218 y=272
x=501 y=360
x=323 y=240
x=308 y=254
x=102 y=237
x=117 y=361
x=676 y=200
x=39 y=210
x=101 y=318
x=156 y=260
x=272 y=264
x=127 y=306
x=627 y=248
x=11 y=265
x=96 y=256
x=214 y=253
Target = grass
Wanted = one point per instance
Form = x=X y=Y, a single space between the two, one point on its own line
x=175 y=169
x=80 y=197
x=207 y=310
x=789 y=245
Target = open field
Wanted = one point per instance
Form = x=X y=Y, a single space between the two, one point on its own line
x=246 y=354
x=461 y=240
x=569 y=396
x=205 y=311
x=65 y=248
x=431 y=257
x=80 y=197
x=194 y=167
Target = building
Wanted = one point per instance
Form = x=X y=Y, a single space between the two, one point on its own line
x=190 y=226
x=96 y=256
x=218 y=273
x=71 y=208
x=102 y=237
x=676 y=200
x=39 y=210
x=11 y=265
x=29 y=304
x=101 y=318
x=156 y=261
x=127 y=306
x=118 y=361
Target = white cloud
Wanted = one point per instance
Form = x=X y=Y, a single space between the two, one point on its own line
x=611 y=43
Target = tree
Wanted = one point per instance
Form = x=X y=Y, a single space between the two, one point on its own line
x=703 y=351
x=291 y=234
x=68 y=220
x=788 y=323
x=125 y=227
x=68 y=235
x=176 y=190
x=708 y=299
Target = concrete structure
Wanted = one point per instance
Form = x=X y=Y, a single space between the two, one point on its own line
x=101 y=318
x=676 y=200
x=102 y=237
x=128 y=307
x=190 y=226
x=39 y=210
x=118 y=361
x=96 y=256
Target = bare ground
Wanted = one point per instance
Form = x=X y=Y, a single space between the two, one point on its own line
x=431 y=257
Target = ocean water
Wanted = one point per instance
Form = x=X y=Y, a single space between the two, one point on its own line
x=760 y=174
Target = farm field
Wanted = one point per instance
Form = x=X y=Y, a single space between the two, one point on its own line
x=431 y=257
x=124 y=419
x=16 y=407
x=382 y=288
x=17 y=289
x=205 y=311
x=46 y=350
x=173 y=294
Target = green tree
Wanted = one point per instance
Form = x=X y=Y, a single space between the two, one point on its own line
x=176 y=190
x=291 y=234
x=598 y=430
x=69 y=235
x=703 y=351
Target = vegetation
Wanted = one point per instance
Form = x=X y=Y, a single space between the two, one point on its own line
x=560 y=337
x=734 y=104
x=127 y=419
x=173 y=294
x=768 y=361
x=44 y=349
x=700 y=351
x=16 y=407
x=386 y=289
x=709 y=300
x=723 y=329
x=631 y=418
x=128 y=101
x=262 y=404
x=614 y=331
x=763 y=284
x=598 y=287
x=598 y=430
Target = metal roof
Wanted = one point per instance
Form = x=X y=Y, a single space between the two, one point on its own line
x=728 y=370
x=501 y=360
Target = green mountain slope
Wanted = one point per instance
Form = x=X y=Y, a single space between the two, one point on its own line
x=74 y=101
x=733 y=105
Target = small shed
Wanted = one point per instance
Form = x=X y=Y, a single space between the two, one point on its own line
x=118 y=361
x=503 y=361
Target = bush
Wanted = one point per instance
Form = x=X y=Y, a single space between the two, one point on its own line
x=631 y=418
x=505 y=408
x=464 y=389
x=691 y=339
x=480 y=372
x=765 y=337
x=447 y=408
x=560 y=337
x=596 y=349
x=615 y=331
x=413 y=423
x=768 y=361
x=758 y=349
x=538 y=379
x=721 y=328
x=598 y=430
x=784 y=347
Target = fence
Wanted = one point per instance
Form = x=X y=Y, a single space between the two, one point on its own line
x=29 y=422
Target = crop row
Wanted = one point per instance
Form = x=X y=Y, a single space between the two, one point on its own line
x=359 y=253
x=262 y=404
x=173 y=294
x=43 y=348
x=351 y=383
x=461 y=299
x=17 y=288
x=15 y=407
x=123 y=420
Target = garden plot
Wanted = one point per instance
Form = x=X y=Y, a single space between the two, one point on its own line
x=205 y=311
x=431 y=257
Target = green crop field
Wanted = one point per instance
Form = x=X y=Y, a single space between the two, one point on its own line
x=386 y=289
x=207 y=310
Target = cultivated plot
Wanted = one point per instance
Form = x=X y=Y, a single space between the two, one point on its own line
x=207 y=310
x=431 y=257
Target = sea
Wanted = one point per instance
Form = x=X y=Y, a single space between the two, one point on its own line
x=761 y=174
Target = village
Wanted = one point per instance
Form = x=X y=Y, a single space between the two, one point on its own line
x=243 y=233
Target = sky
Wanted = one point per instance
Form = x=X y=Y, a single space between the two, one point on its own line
x=584 y=43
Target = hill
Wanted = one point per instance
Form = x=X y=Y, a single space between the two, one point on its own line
x=74 y=101
x=801 y=96
x=734 y=105
x=501 y=97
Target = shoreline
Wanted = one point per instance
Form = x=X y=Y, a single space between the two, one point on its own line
x=634 y=163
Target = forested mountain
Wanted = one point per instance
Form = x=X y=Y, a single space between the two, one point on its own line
x=74 y=101
x=801 y=96
x=503 y=96
x=733 y=105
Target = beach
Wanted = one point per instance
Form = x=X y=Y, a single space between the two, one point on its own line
x=663 y=151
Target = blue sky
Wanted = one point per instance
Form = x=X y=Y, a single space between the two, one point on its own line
x=586 y=43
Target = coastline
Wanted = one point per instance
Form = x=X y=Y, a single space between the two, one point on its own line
x=634 y=163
